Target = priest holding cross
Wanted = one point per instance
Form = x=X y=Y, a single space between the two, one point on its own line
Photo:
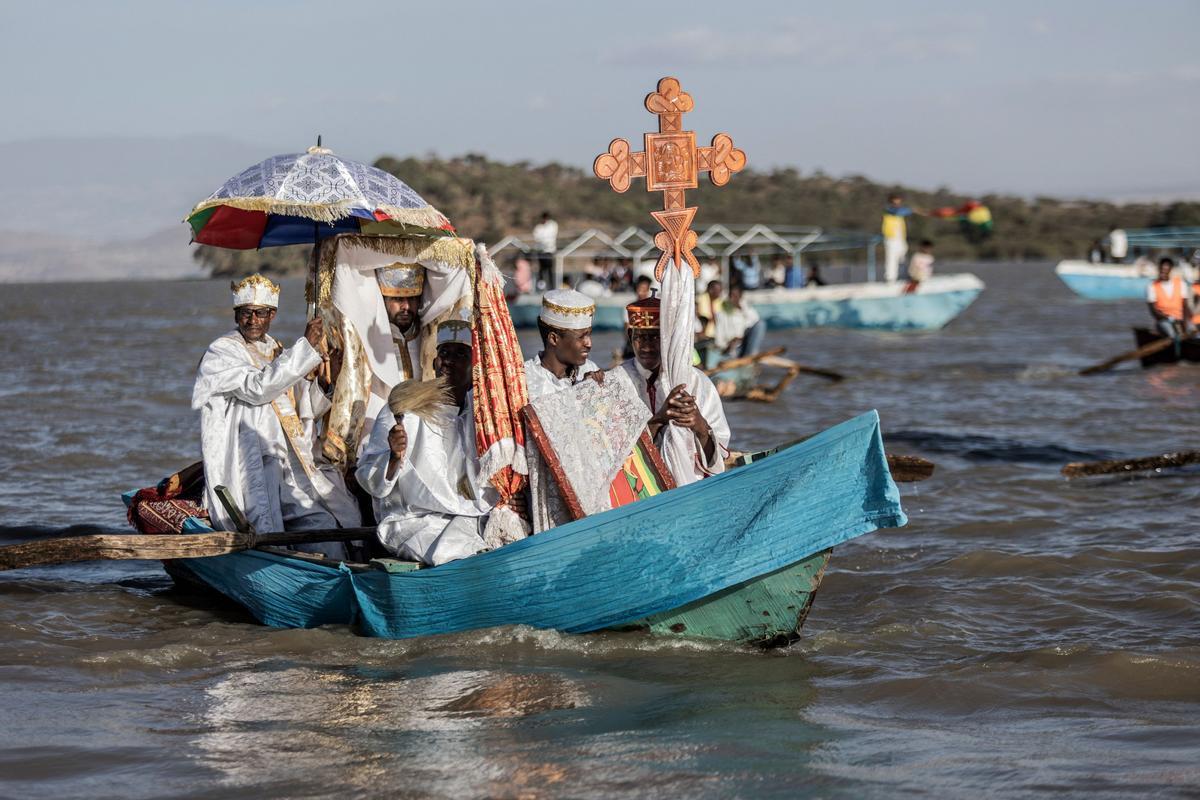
x=671 y=163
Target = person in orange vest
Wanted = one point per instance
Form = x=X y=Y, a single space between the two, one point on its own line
x=1170 y=301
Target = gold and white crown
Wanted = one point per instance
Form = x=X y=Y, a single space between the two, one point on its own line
x=255 y=290
x=400 y=280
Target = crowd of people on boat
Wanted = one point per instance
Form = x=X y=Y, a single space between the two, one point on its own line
x=415 y=474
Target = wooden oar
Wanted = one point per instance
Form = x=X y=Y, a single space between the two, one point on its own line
x=742 y=361
x=1141 y=352
x=766 y=356
x=787 y=363
x=1078 y=469
x=119 y=546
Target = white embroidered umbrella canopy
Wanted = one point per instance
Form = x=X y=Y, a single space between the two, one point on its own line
x=301 y=198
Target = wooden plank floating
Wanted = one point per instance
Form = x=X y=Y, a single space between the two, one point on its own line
x=909 y=469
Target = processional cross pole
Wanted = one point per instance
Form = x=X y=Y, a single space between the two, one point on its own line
x=671 y=164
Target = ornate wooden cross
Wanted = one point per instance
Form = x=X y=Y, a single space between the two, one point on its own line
x=671 y=163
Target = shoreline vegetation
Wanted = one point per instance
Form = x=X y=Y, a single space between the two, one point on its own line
x=487 y=200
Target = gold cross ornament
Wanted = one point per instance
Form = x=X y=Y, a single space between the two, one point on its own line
x=671 y=164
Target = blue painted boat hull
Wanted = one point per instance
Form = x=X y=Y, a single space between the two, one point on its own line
x=905 y=313
x=873 y=306
x=1104 y=282
x=606 y=570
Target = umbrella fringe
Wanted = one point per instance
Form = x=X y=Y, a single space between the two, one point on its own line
x=427 y=217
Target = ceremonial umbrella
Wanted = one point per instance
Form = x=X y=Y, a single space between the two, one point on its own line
x=302 y=198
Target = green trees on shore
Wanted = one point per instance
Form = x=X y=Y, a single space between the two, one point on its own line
x=487 y=200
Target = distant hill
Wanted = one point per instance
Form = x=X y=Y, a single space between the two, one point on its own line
x=487 y=200
x=107 y=208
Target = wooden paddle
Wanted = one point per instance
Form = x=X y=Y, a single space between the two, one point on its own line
x=788 y=364
x=120 y=546
x=1078 y=469
x=765 y=356
x=1141 y=352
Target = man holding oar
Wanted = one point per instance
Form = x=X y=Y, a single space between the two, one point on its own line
x=258 y=412
x=1169 y=300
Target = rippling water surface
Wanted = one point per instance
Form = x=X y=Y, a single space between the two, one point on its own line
x=1024 y=635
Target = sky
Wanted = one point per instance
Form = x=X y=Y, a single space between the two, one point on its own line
x=1066 y=99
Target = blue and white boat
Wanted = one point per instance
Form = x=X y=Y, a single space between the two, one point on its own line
x=1129 y=281
x=1106 y=281
x=871 y=305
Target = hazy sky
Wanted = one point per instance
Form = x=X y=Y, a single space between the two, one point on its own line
x=1096 y=98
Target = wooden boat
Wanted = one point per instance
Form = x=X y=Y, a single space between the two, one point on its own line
x=1186 y=350
x=737 y=557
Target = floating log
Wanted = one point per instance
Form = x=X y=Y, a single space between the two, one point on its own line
x=120 y=546
x=1078 y=469
x=910 y=469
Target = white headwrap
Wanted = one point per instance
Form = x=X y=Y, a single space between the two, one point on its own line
x=567 y=309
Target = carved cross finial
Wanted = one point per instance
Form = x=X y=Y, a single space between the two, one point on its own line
x=671 y=164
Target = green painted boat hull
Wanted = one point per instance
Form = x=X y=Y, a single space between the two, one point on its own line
x=767 y=611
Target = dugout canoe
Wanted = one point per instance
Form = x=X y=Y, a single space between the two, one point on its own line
x=737 y=557
x=1185 y=350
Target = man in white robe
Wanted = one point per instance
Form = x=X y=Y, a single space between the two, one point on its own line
x=257 y=425
x=431 y=503
x=357 y=296
x=565 y=324
x=694 y=405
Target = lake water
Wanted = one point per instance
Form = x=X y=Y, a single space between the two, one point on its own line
x=1023 y=636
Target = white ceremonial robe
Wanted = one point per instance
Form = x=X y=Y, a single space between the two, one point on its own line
x=410 y=366
x=434 y=508
x=708 y=403
x=356 y=296
x=546 y=507
x=241 y=392
x=377 y=397
x=540 y=381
